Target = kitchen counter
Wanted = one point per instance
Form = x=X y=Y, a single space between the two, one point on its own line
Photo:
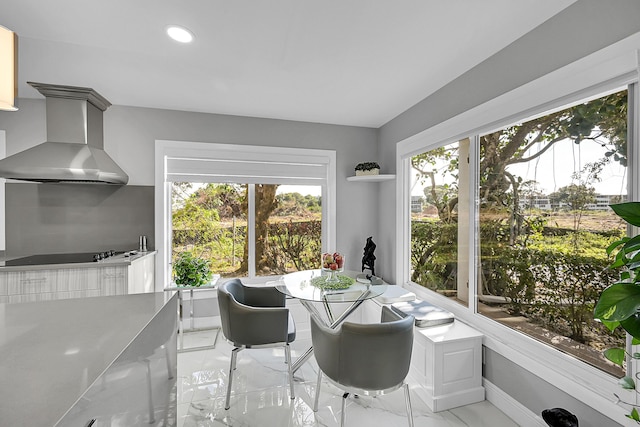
x=52 y=352
x=116 y=275
x=114 y=261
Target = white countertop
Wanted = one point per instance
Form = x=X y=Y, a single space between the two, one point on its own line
x=113 y=261
x=51 y=352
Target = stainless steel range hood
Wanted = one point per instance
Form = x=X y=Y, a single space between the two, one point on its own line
x=74 y=150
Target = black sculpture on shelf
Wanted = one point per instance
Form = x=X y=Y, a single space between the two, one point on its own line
x=369 y=258
x=559 y=417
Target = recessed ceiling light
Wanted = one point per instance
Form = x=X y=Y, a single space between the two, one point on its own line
x=180 y=34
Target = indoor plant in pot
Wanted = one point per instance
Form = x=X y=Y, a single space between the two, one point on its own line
x=619 y=304
x=191 y=270
x=367 y=168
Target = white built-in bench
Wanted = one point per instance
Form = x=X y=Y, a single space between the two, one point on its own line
x=446 y=360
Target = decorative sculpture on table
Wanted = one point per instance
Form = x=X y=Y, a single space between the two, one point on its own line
x=369 y=258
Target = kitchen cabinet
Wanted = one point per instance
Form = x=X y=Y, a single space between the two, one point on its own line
x=141 y=275
x=131 y=276
x=447 y=363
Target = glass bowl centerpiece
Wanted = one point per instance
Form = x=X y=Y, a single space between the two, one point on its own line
x=332 y=264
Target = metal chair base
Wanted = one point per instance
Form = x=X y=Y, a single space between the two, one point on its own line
x=407 y=397
x=232 y=367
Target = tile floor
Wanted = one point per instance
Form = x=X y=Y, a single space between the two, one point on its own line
x=260 y=396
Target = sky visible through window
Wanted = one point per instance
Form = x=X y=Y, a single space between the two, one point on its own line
x=553 y=169
x=313 y=190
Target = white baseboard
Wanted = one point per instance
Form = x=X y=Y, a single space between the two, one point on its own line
x=511 y=407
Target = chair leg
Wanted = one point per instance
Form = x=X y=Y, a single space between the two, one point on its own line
x=407 y=399
x=315 y=402
x=232 y=367
x=344 y=409
x=287 y=354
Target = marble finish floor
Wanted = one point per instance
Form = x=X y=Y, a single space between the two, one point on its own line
x=260 y=395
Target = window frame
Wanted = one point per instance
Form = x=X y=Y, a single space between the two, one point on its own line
x=244 y=155
x=585 y=382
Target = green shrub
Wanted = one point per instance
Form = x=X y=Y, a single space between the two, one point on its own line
x=191 y=271
x=545 y=282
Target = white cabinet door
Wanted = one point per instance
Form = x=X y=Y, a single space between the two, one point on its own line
x=113 y=280
x=447 y=363
x=74 y=283
x=142 y=275
x=30 y=286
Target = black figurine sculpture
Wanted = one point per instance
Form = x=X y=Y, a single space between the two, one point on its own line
x=369 y=258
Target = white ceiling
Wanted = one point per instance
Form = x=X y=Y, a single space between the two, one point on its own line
x=352 y=62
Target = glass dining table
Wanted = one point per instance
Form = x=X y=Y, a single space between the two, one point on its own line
x=311 y=288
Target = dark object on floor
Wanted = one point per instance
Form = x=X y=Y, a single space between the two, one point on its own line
x=369 y=258
x=559 y=417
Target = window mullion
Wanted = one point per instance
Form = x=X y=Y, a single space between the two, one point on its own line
x=403 y=215
x=633 y=189
x=251 y=229
x=633 y=138
x=465 y=215
x=474 y=229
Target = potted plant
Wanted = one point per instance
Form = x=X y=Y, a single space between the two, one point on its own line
x=619 y=304
x=191 y=270
x=367 y=168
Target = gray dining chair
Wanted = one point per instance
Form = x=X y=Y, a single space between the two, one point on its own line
x=254 y=317
x=365 y=359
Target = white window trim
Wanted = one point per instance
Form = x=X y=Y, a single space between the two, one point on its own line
x=165 y=149
x=614 y=66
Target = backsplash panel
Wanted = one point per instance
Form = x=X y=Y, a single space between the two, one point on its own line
x=59 y=218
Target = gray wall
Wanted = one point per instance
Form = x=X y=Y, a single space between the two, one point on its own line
x=536 y=393
x=583 y=28
x=130 y=134
x=134 y=130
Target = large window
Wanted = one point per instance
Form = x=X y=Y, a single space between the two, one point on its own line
x=435 y=221
x=545 y=223
x=211 y=221
x=536 y=209
x=254 y=211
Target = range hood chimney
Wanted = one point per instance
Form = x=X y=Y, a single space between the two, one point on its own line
x=74 y=150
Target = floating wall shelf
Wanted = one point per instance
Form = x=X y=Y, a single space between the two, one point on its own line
x=372 y=178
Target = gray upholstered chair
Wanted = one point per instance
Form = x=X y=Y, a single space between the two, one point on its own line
x=254 y=317
x=365 y=359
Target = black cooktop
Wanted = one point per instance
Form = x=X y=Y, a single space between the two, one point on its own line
x=47 y=259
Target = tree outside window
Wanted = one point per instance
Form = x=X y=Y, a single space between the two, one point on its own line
x=211 y=221
x=544 y=222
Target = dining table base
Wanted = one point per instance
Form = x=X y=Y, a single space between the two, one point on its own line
x=334 y=323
